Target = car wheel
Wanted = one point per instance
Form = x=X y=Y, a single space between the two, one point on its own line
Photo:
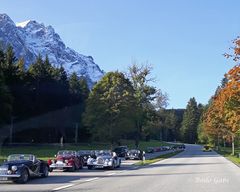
x=50 y=169
x=73 y=168
x=23 y=178
x=90 y=167
x=81 y=165
x=113 y=165
x=45 y=171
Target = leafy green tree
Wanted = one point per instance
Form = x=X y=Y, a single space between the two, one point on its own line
x=110 y=108
x=143 y=93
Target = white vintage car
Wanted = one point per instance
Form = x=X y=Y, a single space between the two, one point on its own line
x=104 y=159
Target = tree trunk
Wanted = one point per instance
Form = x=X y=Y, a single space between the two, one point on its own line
x=233 y=146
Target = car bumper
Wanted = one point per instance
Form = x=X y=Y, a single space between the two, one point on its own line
x=60 y=166
x=100 y=165
x=9 y=177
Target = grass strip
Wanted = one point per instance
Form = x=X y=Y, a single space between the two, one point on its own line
x=158 y=158
x=227 y=154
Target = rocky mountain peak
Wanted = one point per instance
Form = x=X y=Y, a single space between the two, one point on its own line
x=30 y=38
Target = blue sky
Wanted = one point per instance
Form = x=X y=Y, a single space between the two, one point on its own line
x=183 y=39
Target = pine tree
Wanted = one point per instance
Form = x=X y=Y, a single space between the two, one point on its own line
x=190 y=122
x=5 y=101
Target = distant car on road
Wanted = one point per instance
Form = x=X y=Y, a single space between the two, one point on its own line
x=66 y=160
x=104 y=159
x=19 y=168
x=206 y=148
x=135 y=154
x=121 y=151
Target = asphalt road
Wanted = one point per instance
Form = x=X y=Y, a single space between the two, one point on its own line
x=191 y=170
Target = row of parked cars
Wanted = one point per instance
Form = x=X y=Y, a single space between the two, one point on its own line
x=21 y=167
x=165 y=148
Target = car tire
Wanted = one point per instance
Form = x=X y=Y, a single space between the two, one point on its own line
x=50 y=169
x=73 y=168
x=90 y=167
x=23 y=178
x=45 y=171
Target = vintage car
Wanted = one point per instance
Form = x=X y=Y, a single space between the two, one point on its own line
x=207 y=148
x=150 y=150
x=104 y=159
x=66 y=160
x=121 y=151
x=19 y=168
x=135 y=154
x=85 y=154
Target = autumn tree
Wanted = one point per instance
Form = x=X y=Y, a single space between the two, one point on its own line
x=222 y=118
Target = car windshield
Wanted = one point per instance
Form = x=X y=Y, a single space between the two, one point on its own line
x=134 y=151
x=66 y=153
x=103 y=153
x=83 y=152
x=19 y=157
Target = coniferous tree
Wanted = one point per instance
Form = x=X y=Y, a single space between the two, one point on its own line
x=190 y=122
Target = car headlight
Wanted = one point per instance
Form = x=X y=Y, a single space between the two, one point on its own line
x=52 y=161
x=14 y=168
x=66 y=161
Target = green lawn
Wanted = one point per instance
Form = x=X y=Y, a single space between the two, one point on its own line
x=159 y=158
x=226 y=152
x=45 y=152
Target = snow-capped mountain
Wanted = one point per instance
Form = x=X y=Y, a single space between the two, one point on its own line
x=30 y=38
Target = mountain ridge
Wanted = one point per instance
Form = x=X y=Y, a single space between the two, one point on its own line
x=30 y=38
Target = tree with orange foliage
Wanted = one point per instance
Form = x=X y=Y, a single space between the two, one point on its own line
x=222 y=118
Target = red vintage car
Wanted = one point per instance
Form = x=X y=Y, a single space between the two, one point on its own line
x=66 y=160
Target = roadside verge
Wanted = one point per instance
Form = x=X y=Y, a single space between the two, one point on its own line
x=158 y=158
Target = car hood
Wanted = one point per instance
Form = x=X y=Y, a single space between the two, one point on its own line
x=60 y=157
x=17 y=163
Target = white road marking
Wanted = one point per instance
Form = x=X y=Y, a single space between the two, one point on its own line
x=63 y=187
x=111 y=174
x=88 y=180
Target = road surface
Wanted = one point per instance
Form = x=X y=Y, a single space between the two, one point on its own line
x=191 y=170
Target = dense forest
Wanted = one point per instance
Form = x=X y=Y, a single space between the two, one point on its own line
x=42 y=103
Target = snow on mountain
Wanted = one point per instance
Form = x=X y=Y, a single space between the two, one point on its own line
x=30 y=38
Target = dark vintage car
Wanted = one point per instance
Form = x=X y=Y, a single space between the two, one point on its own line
x=85 y=154
x=20 y=168
x=104 y=159
x=135 y=154
x=150 y=150
x=66 y=160
x=121 y=151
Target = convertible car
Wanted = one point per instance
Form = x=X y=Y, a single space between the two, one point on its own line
x=104 y=159
x=66 y=160
x=135 y=154
x=20 y=167
x=85 y=154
